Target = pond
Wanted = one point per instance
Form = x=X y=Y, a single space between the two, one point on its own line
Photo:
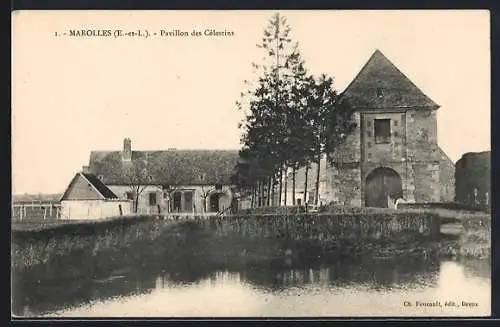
x=334 y=289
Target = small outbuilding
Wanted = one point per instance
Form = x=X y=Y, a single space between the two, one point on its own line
x=88 y=198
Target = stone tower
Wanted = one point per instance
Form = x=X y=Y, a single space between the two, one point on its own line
x=393 y=150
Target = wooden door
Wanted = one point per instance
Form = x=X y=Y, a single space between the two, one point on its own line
x=380 y=184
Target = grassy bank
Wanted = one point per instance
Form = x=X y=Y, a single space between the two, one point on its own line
x=94 y=249
x=475 y=239
x=40 y=245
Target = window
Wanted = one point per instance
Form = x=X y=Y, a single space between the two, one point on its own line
x=380 y=93
x=152 y=199
x=396 y=134
x=129 y=195
x=369 y=133
x=369 y=123
x=369 y=144
x=188 y=201
x=218 y=186
x=382 y=130
x=395 y=123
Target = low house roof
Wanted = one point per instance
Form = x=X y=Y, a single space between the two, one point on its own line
x=380 y=85
x=167 y=167
x=94 y=181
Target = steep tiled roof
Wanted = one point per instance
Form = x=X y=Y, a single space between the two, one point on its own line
x=101 y=188
x=95 y=182
x=380 y=84
x=170 y=167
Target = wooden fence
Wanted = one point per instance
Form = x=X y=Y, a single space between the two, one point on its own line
x=36 y=210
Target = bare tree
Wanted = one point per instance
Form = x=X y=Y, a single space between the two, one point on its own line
x=168 y=190
x=137 y=177
x=205 y=192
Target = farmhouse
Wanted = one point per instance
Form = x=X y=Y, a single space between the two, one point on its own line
x=393 y=150
x=88 y=198
x=185 y=181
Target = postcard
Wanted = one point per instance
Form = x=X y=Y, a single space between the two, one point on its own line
x=319 y=163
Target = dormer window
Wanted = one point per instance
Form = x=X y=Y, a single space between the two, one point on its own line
x=380 y=93
x=101 y=178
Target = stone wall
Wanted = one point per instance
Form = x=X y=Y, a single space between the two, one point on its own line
x=356 y=227
x=383 y=152
x=350 y=149
x=421 y=136
x=427 y=186
x=473 y=171
x=346 y=184
x=447 y=178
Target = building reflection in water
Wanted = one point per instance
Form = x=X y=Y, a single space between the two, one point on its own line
x=374 y=275
x=31 y=298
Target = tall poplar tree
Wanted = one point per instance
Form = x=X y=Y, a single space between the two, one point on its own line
x=273 y=106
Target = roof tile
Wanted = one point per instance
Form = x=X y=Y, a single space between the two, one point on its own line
x=381 y=85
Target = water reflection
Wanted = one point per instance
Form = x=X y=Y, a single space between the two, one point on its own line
x=191 y=288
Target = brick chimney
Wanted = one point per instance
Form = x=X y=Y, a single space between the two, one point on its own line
x=85 y=169
x=127 y=149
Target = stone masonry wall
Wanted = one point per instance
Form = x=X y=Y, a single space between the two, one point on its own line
x=427 y=186
x=421 y=136
x=350 y=149
x=346 y=184
x=447 y=180
x=384 y=152
x=357 y=227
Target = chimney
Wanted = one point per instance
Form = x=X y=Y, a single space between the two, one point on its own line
x=127 y=149
x=85 y=169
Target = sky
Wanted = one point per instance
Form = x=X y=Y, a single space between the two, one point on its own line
x=72 y=95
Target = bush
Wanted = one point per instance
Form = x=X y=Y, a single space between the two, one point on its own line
x=40 y=246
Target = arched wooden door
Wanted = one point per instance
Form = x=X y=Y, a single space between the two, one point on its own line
x=380 y=183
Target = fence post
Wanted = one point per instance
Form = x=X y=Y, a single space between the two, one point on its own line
x=120 y=208
x=44 y=213
x=50 y=210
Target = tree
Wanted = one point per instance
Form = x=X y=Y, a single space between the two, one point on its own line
x=168 y=190
x=136 y=175
x=328 y=116
x=205 y=192
x=268 y=127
